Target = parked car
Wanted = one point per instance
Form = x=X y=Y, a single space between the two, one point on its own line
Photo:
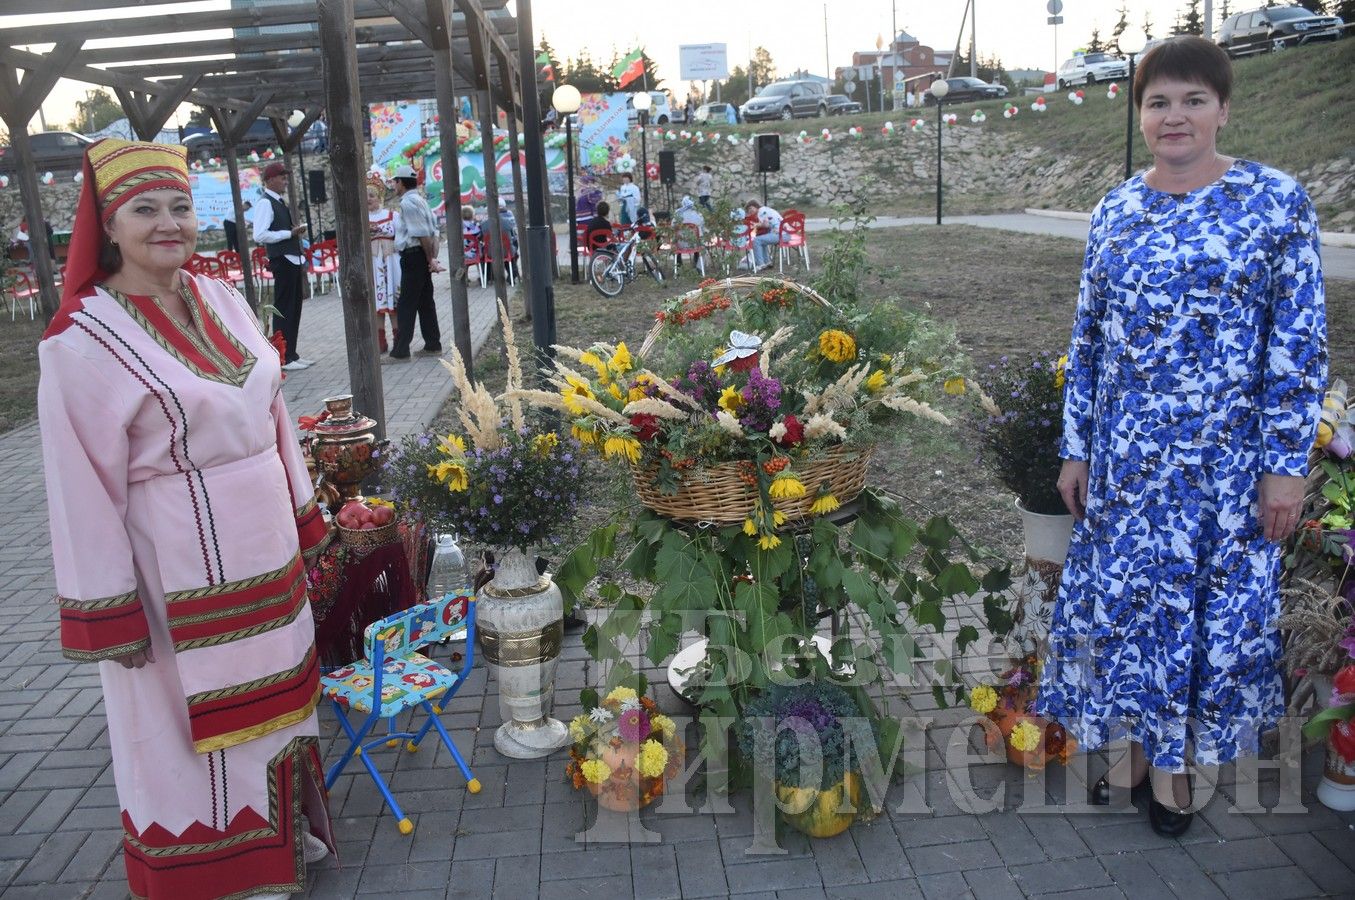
x=52 y=151
x=786 y=100
x=717 y=113
x=659 y=111
x=1275 y=28
x=841 y=105
x=203 y=145
x=967 y=89
x=1089 y=68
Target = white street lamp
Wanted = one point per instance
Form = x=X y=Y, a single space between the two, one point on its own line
x=1131 y=43
x=566 y=101
x=939 y=89
x=642 y=102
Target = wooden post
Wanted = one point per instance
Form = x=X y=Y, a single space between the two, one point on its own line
x=243 y=232
x=342 y=96
x=496 y=254
x=520 y=213
x=444 y=85
x=542 y=298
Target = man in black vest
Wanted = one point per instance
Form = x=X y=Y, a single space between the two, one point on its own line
x=273 y=228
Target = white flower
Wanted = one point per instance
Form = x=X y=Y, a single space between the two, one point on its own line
x=630 y=703
x=777 y=431
x=729 y=423
x=600 y=716
x=820 y=425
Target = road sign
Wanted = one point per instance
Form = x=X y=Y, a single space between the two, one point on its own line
x=849 y=87
x=1054 y=20
x=1054 y=6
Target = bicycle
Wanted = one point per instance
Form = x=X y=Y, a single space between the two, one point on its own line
x=610 y=270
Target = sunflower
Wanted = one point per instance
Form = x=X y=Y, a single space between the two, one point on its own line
x=621 y=445
x=577 y=388
x=838 y=346
x=621 y=361
x=824 y=503
x=786 y=486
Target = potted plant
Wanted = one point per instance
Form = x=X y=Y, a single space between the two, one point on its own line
x=818 y=801
x=507 y=485
x=1335 y=725
x=1020 y=434
x=1029 y=740
x=624 y=750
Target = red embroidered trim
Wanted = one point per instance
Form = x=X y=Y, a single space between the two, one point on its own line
x=236 y=610
x=226 y=717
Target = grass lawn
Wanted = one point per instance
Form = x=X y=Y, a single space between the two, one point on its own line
x=1014 y=295
x=19 y=363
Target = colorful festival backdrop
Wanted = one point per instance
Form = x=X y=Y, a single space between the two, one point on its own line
x=603 y=136
x=473 y=172
x=212 y=194
x=394 y=127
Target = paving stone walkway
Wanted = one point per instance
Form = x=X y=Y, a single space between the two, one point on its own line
x=60 y=834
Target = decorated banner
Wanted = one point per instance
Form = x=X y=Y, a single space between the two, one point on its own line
x=212 y=194
x=473 y=174
x=603 y=130
x=394 y=127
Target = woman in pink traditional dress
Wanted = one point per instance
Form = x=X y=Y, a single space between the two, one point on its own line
x=181 y=518
x=385 y=261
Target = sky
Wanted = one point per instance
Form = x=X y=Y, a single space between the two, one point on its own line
x=791 y=30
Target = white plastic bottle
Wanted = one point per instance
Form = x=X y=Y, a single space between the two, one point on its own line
x=449 y=571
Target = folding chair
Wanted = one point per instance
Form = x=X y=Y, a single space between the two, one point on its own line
x=394 y=677
x=324 y=263
x=792 y=238
x=687 y=240
x=476 y=255
x=22 y=289
x=235 y=273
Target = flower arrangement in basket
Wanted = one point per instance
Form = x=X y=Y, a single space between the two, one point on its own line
x=802 y=735
x=763 y=414
x=1023 y=426
x=624 y=750
x=1029 y=740
x=505 y=484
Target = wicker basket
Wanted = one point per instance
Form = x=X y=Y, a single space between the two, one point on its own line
x=717 y=495
x=362 y=541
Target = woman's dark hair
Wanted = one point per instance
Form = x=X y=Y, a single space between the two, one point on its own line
x=409 y=183
x=110 y=257
x=1186 y=57
x=603 y=208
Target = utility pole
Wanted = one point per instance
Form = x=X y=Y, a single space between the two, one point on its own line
x=893 y=53
x=973 y=40
x=1208 y=20
x=827 y=67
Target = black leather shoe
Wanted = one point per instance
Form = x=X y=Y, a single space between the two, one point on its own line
x=1099 y=794
x=1169 y=822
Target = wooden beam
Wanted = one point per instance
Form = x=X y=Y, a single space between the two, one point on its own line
x=264 y=43
x=39 y=250
x=298 y=59
x=347 y=167
x=290 y=138
x=231 y=125
x=45 y=7
x=38 y=83
x=242 y=229
x=415 y=22
x=160 y=109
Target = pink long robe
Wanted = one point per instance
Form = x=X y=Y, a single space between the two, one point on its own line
x=181 y=513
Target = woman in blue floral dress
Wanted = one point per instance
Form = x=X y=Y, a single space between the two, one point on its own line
x=1194 y=383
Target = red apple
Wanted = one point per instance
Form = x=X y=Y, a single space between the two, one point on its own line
x=368 y=526
x=383 y=515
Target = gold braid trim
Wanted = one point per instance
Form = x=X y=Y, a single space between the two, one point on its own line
x=106 y=653
x=230 y=587
x=223 y=741
x=100 y=603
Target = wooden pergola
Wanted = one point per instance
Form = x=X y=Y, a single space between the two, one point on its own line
x=331 y=57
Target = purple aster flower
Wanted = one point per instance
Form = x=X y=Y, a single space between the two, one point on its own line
x=633 y=725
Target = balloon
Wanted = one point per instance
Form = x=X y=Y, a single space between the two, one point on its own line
x=598 y=156
x=888 y=128
x=4 y=181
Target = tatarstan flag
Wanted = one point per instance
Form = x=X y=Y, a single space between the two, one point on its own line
x=631 y=67
x=544 y=66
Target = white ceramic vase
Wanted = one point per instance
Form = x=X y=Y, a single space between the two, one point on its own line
x=1336 y=790
x=1046 y=536
x=520 y=623
x=1046 y=543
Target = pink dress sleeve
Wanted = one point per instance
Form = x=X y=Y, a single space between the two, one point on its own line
x=85 y=457
x=311 y=530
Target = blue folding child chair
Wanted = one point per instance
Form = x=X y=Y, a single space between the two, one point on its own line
x=395 y=677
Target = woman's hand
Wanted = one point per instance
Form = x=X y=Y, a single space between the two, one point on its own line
x=1073 y=486
x=136 y=659
x=1279 y=504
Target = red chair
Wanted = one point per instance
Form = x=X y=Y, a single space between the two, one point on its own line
x=477 y=254
x=600 y=241
x=211 y=267
x=740 y=244
x=324 y=262
x=193 y=265
x=510 y=260
x=792 y=238
x=235 y=272
x=22 y=289
x=585 y=248
x=263 y=272
x=687 y=241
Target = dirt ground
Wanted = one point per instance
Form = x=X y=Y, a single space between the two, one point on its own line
x=1003 y=293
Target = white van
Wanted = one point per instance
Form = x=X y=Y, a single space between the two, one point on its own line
x=660 y=113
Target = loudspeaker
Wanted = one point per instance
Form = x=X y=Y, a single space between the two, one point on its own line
x=667 y=167
x=317 y=186
x=768 y=152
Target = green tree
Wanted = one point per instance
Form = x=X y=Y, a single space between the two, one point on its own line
x=584 y=74
x=1313 y=6
x=1345 y=9
x=1147 y=26
x=97 y=111
x=1191 y=22
x=1093 y=46
x=990 y=69
x=734 y=89
x=1120 y=25
x=762 y=67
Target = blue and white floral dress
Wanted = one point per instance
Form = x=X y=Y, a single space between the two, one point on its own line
x=1197 y=364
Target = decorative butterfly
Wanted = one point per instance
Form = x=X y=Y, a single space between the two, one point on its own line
x=741 y=346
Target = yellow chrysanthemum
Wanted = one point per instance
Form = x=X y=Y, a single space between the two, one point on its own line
x=652 y=759
x=545 y=443
x=838 y=346
x=620 y=695
x=619 y=445
x=615 y=391
x=786 y=486
x=579 y=728
x=1058 y=370
x=778 y=518
x=577 y=388
x=584 y=435
x=954 y=386
x=824 y=503
x=596 y=771
x=769 y=542
x=452 y=474
x=983 y=699
x=452 y=445
x=1025 y=736
x=731 y=401
x=876 y=382
x=749 y=527
x=589 y=358
x=621 y=361
x=663 y=725
x=377 y=501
